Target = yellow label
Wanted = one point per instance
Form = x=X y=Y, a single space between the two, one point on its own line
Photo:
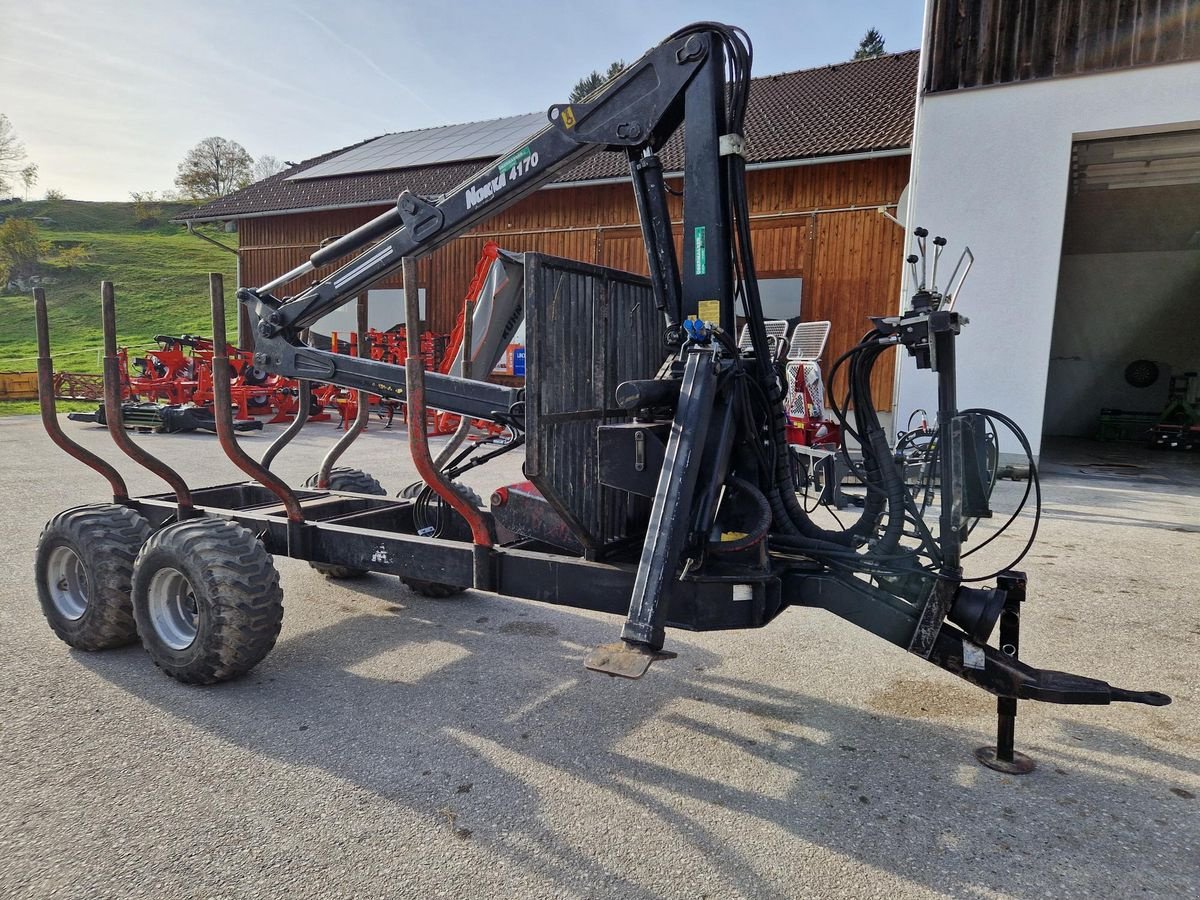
x=710 y=311
x=727 y=536
x=568 y=117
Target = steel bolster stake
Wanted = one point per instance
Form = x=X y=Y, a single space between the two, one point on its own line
x=223 y=416
x=114 y=414
x=483 y=558
x=46 y=404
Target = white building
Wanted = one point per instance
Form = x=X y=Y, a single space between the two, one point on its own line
x=1061 y=141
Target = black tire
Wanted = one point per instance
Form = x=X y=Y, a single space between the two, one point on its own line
x=411 y=491
x=83 y=570
x=436 y=590
x=356 y=481
x=207 y=601
x=456 y=529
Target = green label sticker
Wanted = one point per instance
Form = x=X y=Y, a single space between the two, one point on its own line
x=512 y=161
x=701 y=252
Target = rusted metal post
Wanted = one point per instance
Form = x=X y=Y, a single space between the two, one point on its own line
x=45 y=370
x=418 y=440
x=223 y=409
x=114 y=414
x=353 y=430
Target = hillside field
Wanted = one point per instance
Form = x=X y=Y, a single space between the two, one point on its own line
x=159 y=272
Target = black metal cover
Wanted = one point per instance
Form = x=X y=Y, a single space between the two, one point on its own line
x=587 y=329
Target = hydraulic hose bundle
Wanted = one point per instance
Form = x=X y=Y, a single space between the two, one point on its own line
x=885 y=492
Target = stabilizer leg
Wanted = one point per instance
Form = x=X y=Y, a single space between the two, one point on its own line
x=642 y=637
x=1003 y=757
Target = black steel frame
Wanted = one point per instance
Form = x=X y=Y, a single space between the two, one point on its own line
x=375 y=534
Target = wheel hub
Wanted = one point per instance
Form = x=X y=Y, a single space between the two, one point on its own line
x=68 y=583
x=174 y=613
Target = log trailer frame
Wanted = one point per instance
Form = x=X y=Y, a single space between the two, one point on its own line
x=661 y=486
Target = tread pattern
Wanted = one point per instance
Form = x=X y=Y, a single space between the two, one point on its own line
x=106 y=537
x=345 y=478
x=356 y=481
x=236 y=587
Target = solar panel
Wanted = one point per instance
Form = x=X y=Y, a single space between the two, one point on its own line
x=430 y=146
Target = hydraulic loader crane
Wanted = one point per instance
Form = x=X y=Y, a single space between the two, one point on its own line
x=661 y=485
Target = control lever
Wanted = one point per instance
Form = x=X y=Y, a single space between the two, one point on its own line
x=938 y=242
x=911 y=259
x=921 y=234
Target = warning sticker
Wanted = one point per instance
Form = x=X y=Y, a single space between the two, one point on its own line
x=973 y=656
x=709 y=310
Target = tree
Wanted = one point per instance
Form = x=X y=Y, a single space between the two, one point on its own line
x=266 y=166
x=213 y=168
x=20 y=250
x=12 y=154
x=55 y=194
x=870 y=45
x=29 y=176
x=588 y=85
x=147 y=209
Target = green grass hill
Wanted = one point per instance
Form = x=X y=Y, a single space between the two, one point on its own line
x=158 y=270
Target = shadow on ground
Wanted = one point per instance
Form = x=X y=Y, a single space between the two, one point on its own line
x=472 y=711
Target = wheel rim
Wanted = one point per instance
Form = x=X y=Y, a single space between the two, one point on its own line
x=67 y=578
x=174 y=613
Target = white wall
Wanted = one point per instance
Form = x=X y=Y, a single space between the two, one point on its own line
x=990 y=169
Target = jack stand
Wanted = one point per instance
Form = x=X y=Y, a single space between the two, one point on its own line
x=1002 y=757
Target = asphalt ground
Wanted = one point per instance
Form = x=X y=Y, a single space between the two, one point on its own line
x=395 y=746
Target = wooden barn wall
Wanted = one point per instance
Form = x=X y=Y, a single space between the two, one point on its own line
x=820 y=222
x=978 y=42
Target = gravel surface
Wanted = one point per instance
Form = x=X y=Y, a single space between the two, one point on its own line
x=394 y=746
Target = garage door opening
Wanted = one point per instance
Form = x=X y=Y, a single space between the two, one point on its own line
x=1127 y=317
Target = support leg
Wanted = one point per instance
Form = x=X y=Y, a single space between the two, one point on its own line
x=1003 y=757
x=642 y=637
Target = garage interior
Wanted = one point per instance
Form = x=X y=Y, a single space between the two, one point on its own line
x=1127 y=316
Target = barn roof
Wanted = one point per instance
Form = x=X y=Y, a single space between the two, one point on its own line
x=847 y=108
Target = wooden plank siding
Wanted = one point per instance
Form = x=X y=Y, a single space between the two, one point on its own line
x=820 y=222
x=981 y=42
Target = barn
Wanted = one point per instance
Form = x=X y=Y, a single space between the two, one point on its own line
x=828 y=153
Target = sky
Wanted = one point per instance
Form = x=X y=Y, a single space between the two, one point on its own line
x=108 y=95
